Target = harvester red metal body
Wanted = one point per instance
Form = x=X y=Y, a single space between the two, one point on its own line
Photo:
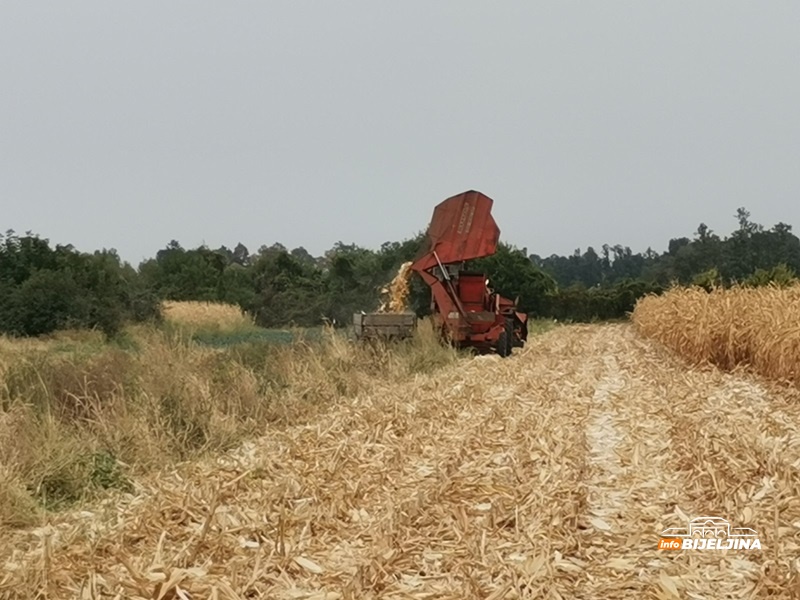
x=465 y=308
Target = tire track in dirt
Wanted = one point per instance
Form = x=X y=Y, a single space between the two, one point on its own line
x=604 y=437
x=628 y=483
x=668 y=443
x=736 y=449
x=658 y=497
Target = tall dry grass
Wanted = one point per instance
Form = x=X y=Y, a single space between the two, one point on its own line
x=757 y=328
x=206 y=314
x=79 y=416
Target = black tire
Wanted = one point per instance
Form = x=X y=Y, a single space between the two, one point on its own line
x=503 y=344
x=520 y=333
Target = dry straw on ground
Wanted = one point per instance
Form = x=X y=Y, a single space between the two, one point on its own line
x=758 y=328
x=206 y=314
x=78 y=415
x=546 y=475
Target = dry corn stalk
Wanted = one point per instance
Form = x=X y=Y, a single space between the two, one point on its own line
x=757 y=328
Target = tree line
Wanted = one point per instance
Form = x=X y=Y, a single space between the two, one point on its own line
x=44 y=288
x=749 y=249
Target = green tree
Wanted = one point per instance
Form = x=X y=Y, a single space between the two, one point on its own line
x=286 y=290
x=43 y=289
x=512 y=274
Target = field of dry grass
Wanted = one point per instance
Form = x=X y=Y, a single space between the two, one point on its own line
x=80 y=416
x=756 y=328
x=206 y=314
x=550 y=474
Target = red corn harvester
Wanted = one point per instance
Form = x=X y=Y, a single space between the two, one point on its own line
x=465 y=309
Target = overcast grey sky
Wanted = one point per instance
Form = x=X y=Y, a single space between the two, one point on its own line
x=128 y=124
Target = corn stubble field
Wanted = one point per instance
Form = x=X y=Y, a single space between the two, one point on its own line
x=413 y=472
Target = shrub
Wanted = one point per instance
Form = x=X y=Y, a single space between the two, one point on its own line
x=780 y=275
x=577 y=303
x=44 y=289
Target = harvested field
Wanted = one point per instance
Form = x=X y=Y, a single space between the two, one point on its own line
x=546 y=475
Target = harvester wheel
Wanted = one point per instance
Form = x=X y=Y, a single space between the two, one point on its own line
x=503 y=346
x=505 y=341
x=510 y=335
x=520 y=332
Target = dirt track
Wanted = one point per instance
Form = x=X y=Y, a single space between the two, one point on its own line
x=546 y=475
